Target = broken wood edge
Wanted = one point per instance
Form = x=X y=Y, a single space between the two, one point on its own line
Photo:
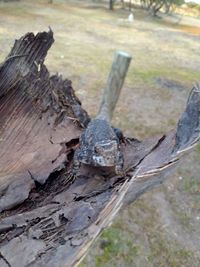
x=188 y=126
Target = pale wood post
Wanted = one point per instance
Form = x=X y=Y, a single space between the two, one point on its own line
x=114 y=84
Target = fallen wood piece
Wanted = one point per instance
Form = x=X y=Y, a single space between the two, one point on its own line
x=44 y=221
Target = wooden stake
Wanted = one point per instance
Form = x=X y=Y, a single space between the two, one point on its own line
x=114 y=84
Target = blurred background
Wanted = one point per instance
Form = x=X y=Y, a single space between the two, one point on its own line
x=162 y=228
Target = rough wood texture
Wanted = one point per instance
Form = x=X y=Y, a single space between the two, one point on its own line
x=114 y=84
x=34 y=127
x=40 y=122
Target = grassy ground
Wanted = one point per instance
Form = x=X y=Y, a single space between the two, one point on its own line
x=162 y=227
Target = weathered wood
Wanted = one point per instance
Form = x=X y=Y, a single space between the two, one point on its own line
x=120 y=65
x=40 y=122
x=188 y=128
x=34 y=122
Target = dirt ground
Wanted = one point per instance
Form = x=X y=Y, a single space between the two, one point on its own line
x=161 y=228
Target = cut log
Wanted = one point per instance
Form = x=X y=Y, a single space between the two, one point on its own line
x=44 y=220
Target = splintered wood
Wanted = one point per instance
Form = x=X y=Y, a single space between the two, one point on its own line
x=44 y=220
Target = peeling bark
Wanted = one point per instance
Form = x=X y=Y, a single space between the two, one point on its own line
x=44 y=220
x=35 y=122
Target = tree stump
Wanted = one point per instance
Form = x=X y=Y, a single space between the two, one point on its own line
x=44 y=220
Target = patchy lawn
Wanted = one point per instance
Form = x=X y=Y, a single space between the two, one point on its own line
x=160 y=229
